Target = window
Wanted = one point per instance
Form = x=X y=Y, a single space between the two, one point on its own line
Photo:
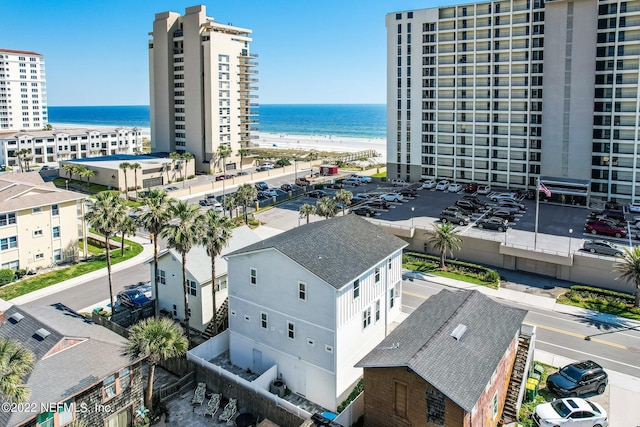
x=328 y=348
x=302 y=291
x=109 y=387
x=291 y=330
x=191 y=288
x=125 y=379
x=391 y=297
x=435 y=407
x=377 y=274
x=311 y=342
x=8 y=218
x=400 y=399
x=46 y=419
x=495 y=405
x=161 y=278
x=356 y=288
x=254 y=276
x=8 y=243
x=11 y=265
x=37 y=233
x=55 y=210
x=389 y=264
x=377 y=310
x=65 y=412
x=57 y=255
x=38 y=257
x=264 y=320
x=36 y=210
x=366 y=318
x=56 y=232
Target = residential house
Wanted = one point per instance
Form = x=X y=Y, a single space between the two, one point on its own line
x=448 y=364
x=313 y=301
x=170 y=290
x=80 y=373
x=39 y=223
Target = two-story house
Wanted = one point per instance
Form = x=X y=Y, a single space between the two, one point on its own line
x=448 y=364
x=313 y=301
x=39 y=223
x=80 y=369
x=170 y=290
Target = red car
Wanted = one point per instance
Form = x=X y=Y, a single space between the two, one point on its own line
x=604 y=227
x=472 y=187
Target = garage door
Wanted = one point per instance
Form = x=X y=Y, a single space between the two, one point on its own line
x=538 y=267
x=152 y=182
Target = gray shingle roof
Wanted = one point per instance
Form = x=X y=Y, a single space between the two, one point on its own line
x=337 y=250
x=99 y=353
x=460 y=369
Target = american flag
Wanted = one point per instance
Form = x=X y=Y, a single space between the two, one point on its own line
x=545 y=190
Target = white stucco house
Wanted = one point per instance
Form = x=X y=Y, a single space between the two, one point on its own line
x=170 y=292
x=313 y=301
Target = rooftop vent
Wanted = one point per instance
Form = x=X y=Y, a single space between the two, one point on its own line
x=458 y=332
x=42 y=333
x=16 y=317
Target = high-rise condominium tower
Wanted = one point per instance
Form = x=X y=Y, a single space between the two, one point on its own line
x=201 y=80
x=505 y=92
x=23 y=91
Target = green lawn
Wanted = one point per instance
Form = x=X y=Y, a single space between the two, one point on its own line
x=40 y=281
x=452 y=274
x=601 y=306
x=379 y=175
x=90 y=188
x=93 y=250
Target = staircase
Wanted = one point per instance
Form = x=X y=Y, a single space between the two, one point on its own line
x=221 y=320
x=510 y=411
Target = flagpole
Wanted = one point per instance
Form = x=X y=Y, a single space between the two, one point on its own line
x=535 y=238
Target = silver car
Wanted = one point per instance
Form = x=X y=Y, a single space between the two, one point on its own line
x=602 y=247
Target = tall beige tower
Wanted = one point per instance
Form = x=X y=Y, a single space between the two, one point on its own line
x=202 y=83
x=23 y=91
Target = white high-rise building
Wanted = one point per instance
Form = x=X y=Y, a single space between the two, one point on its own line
x=23 y=90
x=202 y=81
x=504 y=92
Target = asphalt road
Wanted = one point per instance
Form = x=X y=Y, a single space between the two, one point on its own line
x=615 y=347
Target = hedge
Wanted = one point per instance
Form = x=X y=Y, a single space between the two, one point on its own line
x=483 y=273
x=604 y=292
x=6 y=276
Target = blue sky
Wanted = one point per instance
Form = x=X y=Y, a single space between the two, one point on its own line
x=310 y=52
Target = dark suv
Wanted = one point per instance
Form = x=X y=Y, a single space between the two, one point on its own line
x=578 y=379
x=454 y=217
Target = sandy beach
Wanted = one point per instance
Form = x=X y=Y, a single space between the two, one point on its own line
x=284 y=141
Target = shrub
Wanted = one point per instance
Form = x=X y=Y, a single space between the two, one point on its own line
x=21 y=272
x=318 y=186
x=359 y=388
x=603 y=292
x=6 y=276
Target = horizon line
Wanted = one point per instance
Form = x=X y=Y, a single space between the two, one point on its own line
x=148 y=105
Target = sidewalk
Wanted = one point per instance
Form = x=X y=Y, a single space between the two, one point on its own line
x=147 y=252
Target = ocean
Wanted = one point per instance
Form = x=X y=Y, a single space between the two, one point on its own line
x=349 y=120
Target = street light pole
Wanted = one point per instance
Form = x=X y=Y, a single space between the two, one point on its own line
x=412 y=208
x=570 y=235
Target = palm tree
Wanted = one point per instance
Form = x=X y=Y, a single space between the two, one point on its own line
x=630 y=269
x=243 y=152
x=224 y=151
x=215 y=236
x=106 y=217
x=15 y=363
x=344 y=198
x=327 y=207
x=445 y=240
x=22 y=158
x=124 y=166
x=174 y=156
x=47 y=127
x=244 y=196
x=307 y=210
x=70 y=169
x=155 y=219
x=186 y=157
x=135 y=167
x=88 y=173
x=157 y=340
x=127 y=228
x=229 y=203
x=182 y=235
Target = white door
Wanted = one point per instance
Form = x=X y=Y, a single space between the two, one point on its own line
x=257 y=361
x=301 y=380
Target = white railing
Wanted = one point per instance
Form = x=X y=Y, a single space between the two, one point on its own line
x=351 y=413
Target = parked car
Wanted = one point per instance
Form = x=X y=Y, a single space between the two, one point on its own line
x=454 y=188
x=317 y=194
x=352 y=182
x=499 y=196
x=468 y=206
x=132 y=298
x=399 y=183
x=408 y=192
x=286 y=187
x=511 y=203
x=367 y=196
x=503 y=213
x=203 y=203
x=392 y=197
x=615 y=215
x=442 y=185
x=454 y=217
x=362 y=178
x=223 y=177
x=242 y=173
x=428 y=184
x=577 y=379
x=335 y=185
x=493 y=223
x=217 y=206
x=170 y=189
x=302 y=181
x=377 y=204
x=605 y=227
x=261 y=186
x=271 y=192
x=602 y=247
x=484 y=189
x=475 y=201
x=574 y=412
x=471 y=187
x=455 y=209
x=364 y=211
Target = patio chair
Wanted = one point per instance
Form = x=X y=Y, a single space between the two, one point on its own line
x=213 y=405
x=229 y=410
x=198 y=396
